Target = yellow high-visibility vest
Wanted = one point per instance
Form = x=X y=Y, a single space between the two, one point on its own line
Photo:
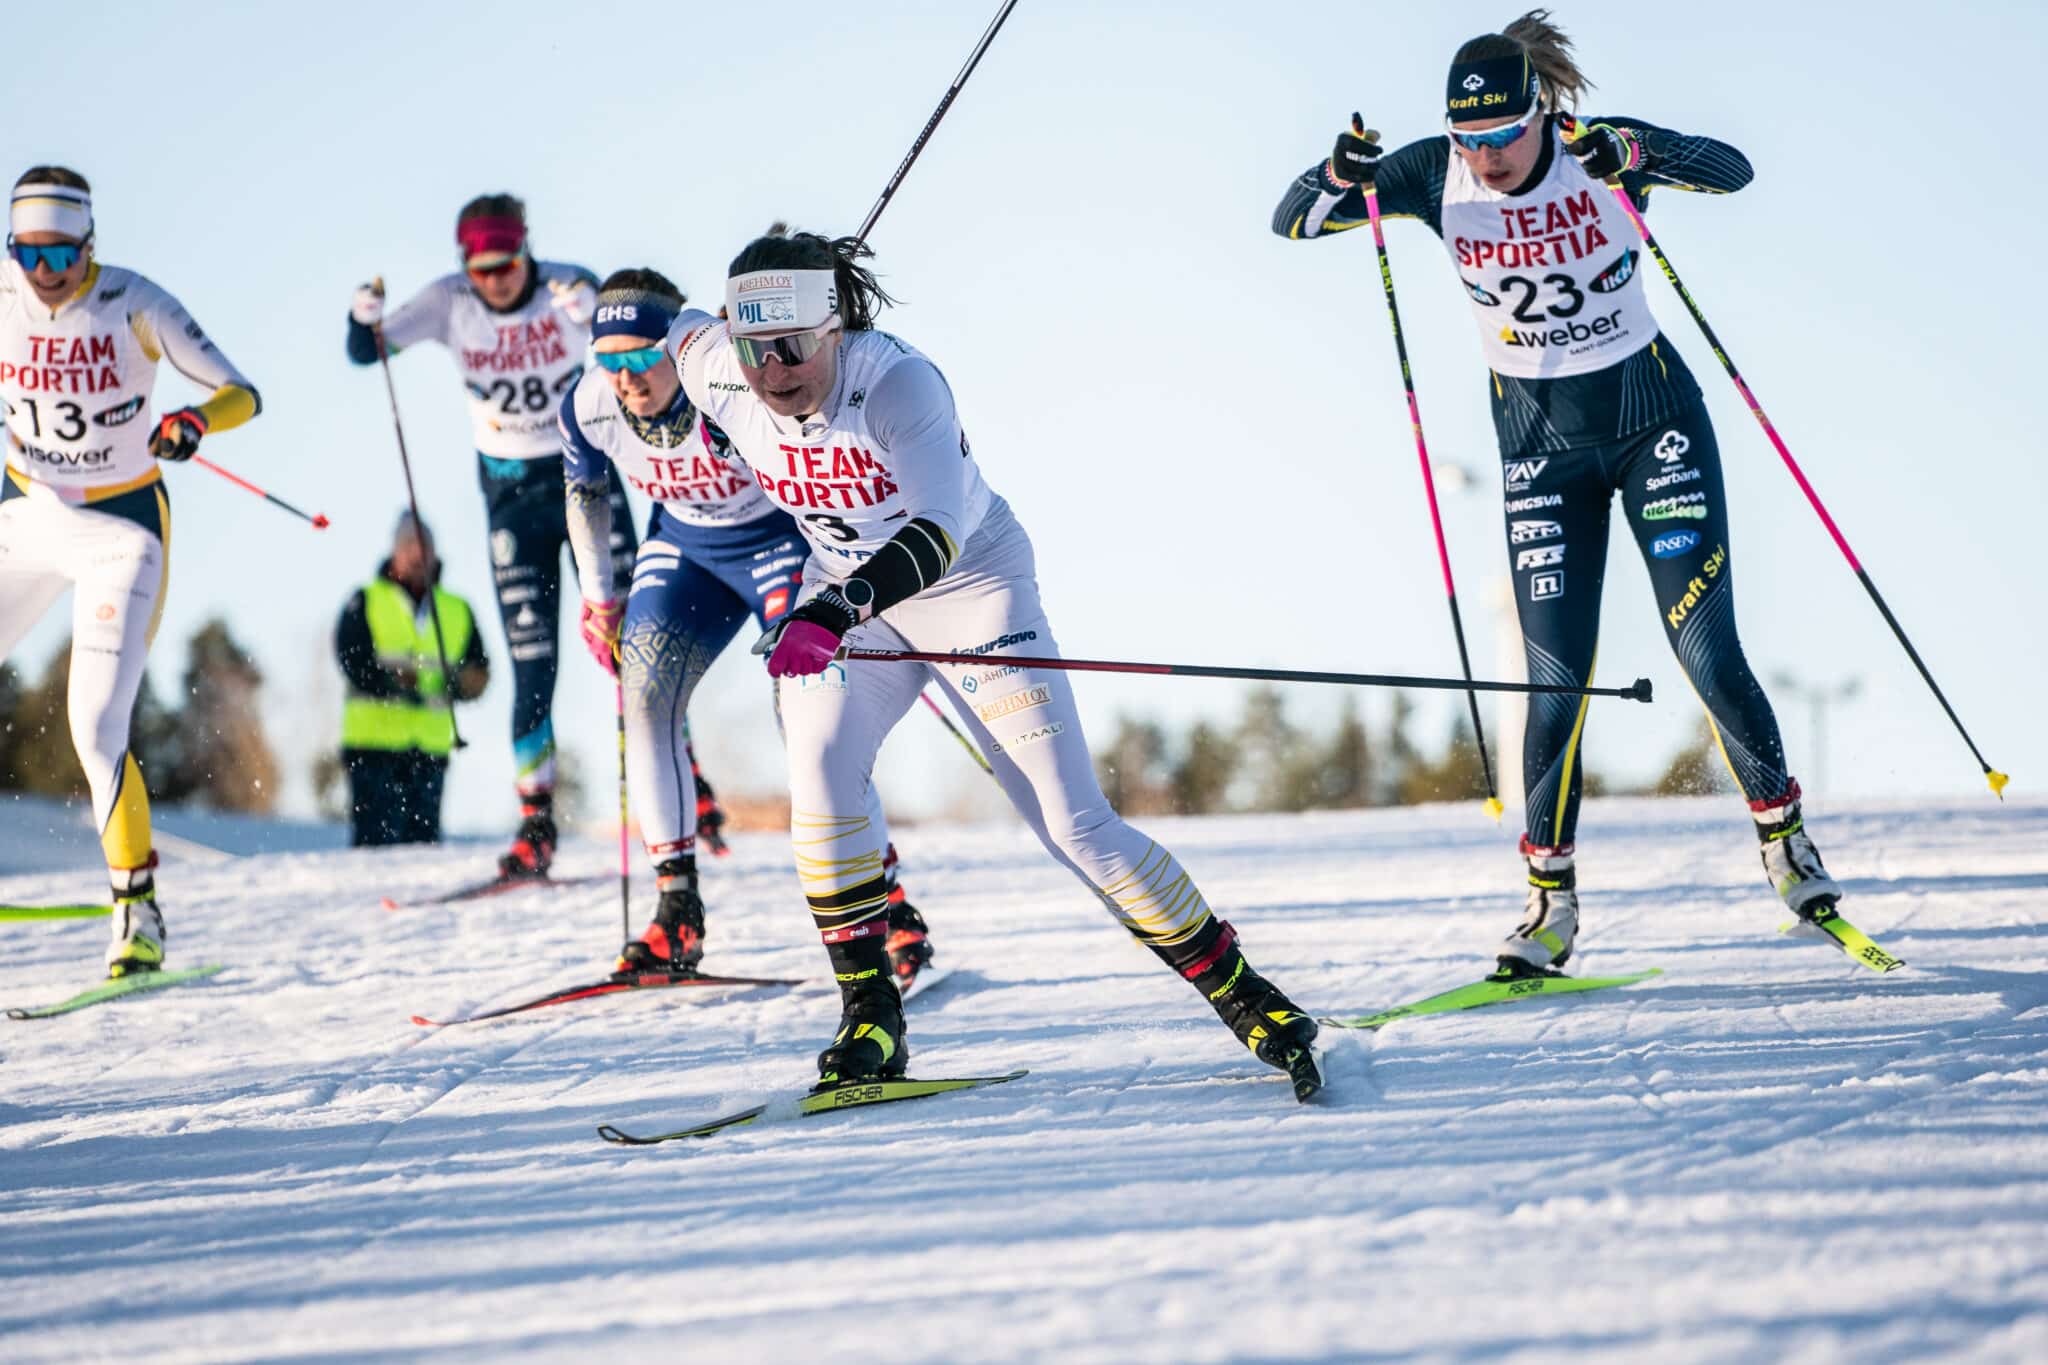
x=403 y=634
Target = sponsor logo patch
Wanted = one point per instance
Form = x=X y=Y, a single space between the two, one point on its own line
x=1046 y=731
x=1024 y=699
x=1616 y=275
x=1532 y=504
x=1671 y=446
x=1522 y=532
x=1696 y=587
x=1683 y=507
x=1541 y=557
x=1675 y=544
x=1547 y=584
x=1522 y=473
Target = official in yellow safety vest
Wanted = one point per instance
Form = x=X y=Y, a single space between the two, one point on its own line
x=397 y=725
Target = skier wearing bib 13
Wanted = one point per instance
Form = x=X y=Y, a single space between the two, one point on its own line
x=1589 y=398
x=717 y=551
x=83 y=504
x=519 y=348
x=855 y=434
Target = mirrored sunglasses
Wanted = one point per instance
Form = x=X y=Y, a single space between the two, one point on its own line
x=793 y=349
x=1503 y=136
x=638 y=362
x=59 y=258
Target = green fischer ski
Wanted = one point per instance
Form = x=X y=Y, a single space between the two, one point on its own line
x=1492 y=991
x=852 y=1094
x=117 y=987
x=20 y=912
x=1828 y=927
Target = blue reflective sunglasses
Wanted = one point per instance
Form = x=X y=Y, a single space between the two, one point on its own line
x=639 y=362
x=1503 y=136
x=59 y=258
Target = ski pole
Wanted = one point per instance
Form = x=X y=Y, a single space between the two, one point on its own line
x=1637 y=691
x=625 y=860
x=1992 y=777
x=412 y=500
x=954 y=730
x=1436 y=521
x=319 y=520
x=931 y=124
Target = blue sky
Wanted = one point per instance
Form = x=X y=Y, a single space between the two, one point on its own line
x=1201 y=424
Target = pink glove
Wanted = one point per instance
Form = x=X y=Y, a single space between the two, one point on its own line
x=804 y=648
x=600 y=627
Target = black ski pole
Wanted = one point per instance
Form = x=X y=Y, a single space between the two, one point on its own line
x=412 y=500
x=931 y=124
x=1636 y=691
x=1443 y=554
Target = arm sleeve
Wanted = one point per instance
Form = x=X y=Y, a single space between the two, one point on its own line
x=1680 y=161
x=586 y=475
x=1410 y=183
x=689 y=348
x=358 y=655
x=423 y=317
x=911 y=415
x=167 y=331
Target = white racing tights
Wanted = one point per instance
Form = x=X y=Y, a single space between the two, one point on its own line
x=114 y=562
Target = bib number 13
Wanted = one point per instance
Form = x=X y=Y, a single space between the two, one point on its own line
x=1570 y=300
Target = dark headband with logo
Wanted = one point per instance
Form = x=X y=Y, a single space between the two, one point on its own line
x=633 y=313
x=1491 y=87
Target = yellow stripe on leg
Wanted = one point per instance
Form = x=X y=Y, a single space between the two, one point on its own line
x=126 y=840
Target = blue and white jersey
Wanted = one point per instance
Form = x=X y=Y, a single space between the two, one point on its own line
x=675 y=459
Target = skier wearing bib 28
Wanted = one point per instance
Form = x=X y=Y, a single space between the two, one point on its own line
x=519 y=348
x=855 y=434
x=1589 y=399
x=717 y=551
x=83 y=504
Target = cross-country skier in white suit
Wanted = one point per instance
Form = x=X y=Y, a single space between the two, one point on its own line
x=83 y=504
x=854 y=433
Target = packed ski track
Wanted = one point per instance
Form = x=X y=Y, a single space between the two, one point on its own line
x=1766 y=1152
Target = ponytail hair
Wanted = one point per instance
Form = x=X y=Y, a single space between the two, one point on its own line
x=1548 y=49
x=861 y=296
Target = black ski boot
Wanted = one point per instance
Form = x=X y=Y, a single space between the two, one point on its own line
x=909 y=944
x=674 y=942
x=533 y=848
x=710 y=815
x=1263 y=1018
x=870 y=1042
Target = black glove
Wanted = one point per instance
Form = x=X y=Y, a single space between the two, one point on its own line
x=1605 y=150
x=177 y=436
x=1357 y=154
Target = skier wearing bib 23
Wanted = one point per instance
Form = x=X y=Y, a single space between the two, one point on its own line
x=83 y=504
x=717 y=551
x=519 y=348
x=1589 y=398
x=855 y=434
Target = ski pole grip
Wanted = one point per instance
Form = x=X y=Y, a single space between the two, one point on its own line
x=1640 y=691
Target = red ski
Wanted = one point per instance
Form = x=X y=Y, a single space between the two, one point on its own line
x=611 y=985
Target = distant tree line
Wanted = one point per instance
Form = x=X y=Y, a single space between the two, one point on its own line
x=1267 y=762
x=207 y=747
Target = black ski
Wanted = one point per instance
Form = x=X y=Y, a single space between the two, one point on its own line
x=849 y=1095
x=496 y=886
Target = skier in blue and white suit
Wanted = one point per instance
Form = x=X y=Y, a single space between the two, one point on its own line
x=717 y=552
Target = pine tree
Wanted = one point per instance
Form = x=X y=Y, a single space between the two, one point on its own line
x=218 y=749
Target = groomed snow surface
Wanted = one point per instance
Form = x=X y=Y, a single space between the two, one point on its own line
x=1767 y=1153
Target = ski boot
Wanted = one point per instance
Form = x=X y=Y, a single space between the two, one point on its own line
x=533 y=848
x=710 y=815
x=138 y=941
x=870 y=1042
x=674 y=942
x=1263 y=1019
x=1792 y=862
x=1542 y=943
x=909 y=944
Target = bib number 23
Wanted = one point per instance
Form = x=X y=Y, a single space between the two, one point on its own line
x=1570 y=300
